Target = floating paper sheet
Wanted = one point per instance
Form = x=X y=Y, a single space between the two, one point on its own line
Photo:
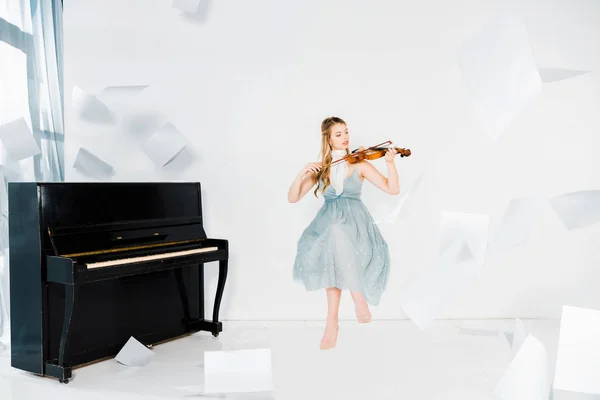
x=239 y=371
x=556 y=74
x=134 y=354
x=190 y=6
x=393 y=216
x=463 y=240
x=465 y=227
x=517 y=336
x=164 y=145
x=88 y=107
x=18 y=140
x=578 y=209
x=517 y=223
x=432 y=291
x=120 y=98
x=90 y=165
x=578 y=357
x=527 y=376
x=499 y=73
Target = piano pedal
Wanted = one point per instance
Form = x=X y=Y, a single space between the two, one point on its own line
x=215 y=334
x=65 y=381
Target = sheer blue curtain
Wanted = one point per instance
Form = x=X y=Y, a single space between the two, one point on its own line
x=31 y=108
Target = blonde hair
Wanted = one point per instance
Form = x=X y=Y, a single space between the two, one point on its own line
x=325 y=155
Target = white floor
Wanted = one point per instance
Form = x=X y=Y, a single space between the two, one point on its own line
x=460 y=360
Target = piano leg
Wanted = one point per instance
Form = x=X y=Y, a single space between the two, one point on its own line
x=219 y=295
x=62 y=369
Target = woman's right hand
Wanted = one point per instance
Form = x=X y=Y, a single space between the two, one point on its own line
x=314 y=167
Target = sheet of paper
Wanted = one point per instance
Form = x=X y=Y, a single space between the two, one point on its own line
x=557 y=74
x=18 y=140
x=465 y=227
x=578 y=357
x=517 y=223
x=433 y=290
x=395 y=213
x=89 y=108
x=89 y=164
x=238 y=371
x=578 y=209
x=164 y=145
x=120 y=99
x=134 y=354
x=190 y=6
x=499 y=72
x=527 y=376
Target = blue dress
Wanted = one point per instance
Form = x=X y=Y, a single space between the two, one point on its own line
x=342 y=247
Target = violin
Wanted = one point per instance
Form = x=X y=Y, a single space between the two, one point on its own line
x=372 y=153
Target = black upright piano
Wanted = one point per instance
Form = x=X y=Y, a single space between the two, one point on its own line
x=93 y=264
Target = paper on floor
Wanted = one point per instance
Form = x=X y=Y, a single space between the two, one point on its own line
x=527 y=376
x=18 y=140
x=499 y=72
x=238 y=371
x=517 y=223
x=578 y=357
x=134 y=354
x=578 y=209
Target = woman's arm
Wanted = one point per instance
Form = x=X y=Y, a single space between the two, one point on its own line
x=390 y=184
x=304 y=181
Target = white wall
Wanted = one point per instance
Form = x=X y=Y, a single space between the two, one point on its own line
x=248 y=84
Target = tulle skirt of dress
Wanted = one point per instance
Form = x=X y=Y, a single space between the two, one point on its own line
x=342 y=248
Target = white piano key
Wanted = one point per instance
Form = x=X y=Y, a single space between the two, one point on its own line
x=499 y=73
x=578 y=209
x=89 y=108
x=89 y=164
x=134 y=354
x=557 y=74
x=239 y=371
x=578 y=357
x=517 y=223
x=465 y=227
x=433 y=290
x=164 y=145
x=159 y=256
x=395 y=213
x=18 y=140
x=190 y=6
x=527 y=376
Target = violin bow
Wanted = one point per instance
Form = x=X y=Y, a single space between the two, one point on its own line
x=372 y=147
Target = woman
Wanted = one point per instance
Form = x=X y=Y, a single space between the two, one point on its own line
x=342 y=248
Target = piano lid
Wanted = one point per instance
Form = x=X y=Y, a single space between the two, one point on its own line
x=84 y=218
x=125 y=236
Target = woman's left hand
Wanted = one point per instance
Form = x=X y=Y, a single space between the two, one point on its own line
x=390 y=154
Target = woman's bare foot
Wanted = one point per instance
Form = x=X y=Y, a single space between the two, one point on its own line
x=361 y=307
x=329 y=339
x=363 y=314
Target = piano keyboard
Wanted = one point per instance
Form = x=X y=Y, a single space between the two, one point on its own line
x=149 y=258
